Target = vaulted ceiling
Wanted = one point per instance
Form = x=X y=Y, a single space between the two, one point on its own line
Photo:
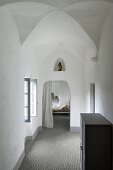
x=54 y=3
x=90 y=15
x=73 y=22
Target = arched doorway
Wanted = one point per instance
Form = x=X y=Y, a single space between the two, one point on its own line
x=56 y=104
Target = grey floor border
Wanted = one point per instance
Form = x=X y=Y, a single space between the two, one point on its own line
x=75 y=129
x=32 y=138
x=36 y=133
x=19 y=162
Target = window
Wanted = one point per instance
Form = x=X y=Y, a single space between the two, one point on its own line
x=33 y=96
x=30 y=86
x=27 y=99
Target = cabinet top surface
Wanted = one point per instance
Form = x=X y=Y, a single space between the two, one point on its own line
x=94 y=119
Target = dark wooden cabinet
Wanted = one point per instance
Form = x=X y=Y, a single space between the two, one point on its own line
x=96 y=142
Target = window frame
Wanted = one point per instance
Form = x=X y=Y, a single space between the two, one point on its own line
x=31 y=92
x=28 y=116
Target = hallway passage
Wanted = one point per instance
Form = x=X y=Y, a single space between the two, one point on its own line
x=54 y=149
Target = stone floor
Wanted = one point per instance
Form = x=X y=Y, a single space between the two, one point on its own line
x=54 y=149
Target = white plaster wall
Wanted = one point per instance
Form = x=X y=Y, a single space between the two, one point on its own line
x=31 y=127
x=104 y=70
x=11 y=93
x=90 y=71
x=43 y=51
x=31 y=70
x=100 y=71
x=74 y=76
x=15 y=64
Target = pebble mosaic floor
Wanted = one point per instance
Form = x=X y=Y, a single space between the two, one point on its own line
x=54 y=149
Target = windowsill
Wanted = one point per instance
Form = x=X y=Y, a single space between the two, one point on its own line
x=34 y=116
x=30 y=118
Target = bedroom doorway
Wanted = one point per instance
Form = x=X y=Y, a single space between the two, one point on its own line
x=56 y=105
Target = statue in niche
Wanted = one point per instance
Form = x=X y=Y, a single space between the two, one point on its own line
x=59 y=67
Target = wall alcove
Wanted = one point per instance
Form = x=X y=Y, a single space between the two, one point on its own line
x=59 y=65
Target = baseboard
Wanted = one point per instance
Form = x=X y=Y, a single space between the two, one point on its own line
x=36 y=133
x=18 y=164
x=30 y=138
x=75 y=129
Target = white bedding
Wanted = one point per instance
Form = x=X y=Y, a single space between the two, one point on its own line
x=56 y=107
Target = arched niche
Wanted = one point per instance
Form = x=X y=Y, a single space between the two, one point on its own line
x=59 y=65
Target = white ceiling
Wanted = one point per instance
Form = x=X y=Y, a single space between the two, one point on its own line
x=28 y=15
x=58 y=27
x=89 y=14
x=72 y=25
x=54 y=3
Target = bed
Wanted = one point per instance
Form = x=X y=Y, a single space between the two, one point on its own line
x=60 y=107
